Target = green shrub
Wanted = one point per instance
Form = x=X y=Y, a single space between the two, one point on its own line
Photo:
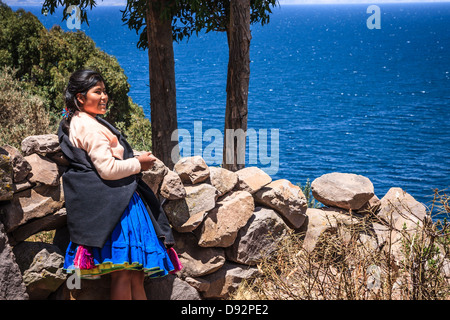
x=21 y=114
x=45 y=59
x=310 y=201
x=139 y=132
x=20 y=32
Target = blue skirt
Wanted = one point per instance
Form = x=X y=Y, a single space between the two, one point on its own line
x=133 y=245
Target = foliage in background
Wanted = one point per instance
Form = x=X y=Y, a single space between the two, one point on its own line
x=138 y=132
x=21 y=113
x=45 y=59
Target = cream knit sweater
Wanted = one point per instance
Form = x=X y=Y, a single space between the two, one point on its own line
x=102 y=146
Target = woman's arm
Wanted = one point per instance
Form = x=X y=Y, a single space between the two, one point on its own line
x=97 y=145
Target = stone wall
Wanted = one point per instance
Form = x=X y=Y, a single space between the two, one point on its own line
x=223 y=222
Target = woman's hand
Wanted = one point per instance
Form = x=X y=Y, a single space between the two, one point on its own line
x=147 y=160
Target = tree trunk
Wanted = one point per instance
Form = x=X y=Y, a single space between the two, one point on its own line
x=239 y=36
x=162 y=84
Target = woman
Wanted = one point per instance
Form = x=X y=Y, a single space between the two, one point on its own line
x=116 y=223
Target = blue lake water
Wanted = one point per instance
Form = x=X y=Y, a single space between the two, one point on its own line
x=342 y=97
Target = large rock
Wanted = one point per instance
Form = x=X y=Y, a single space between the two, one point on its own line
x=6 y=176
x=198 y=283
x=43 y=170
x=322 y=221
x=45 y=275
x=170 y=287
x=52 y=221
x=285 y=198
x=21 y=167
x=222 y=179
x=11 y=282
x=382 y=233
x=30 y=204
x=186 y=214
x=398 y=204
x=47 y=143
x=222 y=283
x=370 y=207
x=172 y=187
x=26 y=251
x=343 y=190
x=155 y=175
x=401 y=218
x=192 y=170
x=258 y=237
x=197 y=261
x=41 y=265
x=251 y=179
x=221 y=225
x=23 y=185
x=397 y=238
x=331 y=229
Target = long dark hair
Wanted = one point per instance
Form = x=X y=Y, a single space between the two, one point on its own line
x=79 y=82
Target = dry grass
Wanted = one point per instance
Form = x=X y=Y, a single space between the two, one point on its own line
x=347 y=264
x=43 y=236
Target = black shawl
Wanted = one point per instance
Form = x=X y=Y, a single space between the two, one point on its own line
x=94 y=206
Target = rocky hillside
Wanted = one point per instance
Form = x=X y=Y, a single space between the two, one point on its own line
x=224 y=222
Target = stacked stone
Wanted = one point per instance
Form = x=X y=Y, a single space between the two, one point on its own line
x=224 y=222
x=32 y=201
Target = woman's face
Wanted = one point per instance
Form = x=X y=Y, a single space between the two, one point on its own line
x=95 y=100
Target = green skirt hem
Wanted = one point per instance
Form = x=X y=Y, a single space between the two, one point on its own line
x=109 y=267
